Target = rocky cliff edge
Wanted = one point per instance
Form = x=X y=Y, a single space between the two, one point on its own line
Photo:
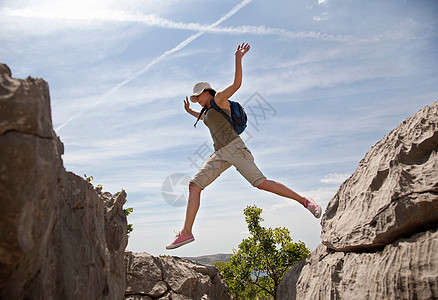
x=379 y=232
x=60 y=237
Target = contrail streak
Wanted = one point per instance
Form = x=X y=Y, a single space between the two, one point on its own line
x=156 y=60
x=152 y=20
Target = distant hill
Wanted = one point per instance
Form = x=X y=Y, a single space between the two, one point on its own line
x=210 y=259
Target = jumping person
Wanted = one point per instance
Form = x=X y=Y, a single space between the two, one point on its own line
x=230 y=150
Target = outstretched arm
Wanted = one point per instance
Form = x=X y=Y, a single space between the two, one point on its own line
x=225 y=94
x=191 y=111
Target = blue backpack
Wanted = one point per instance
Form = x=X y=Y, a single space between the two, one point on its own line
x=238 y=118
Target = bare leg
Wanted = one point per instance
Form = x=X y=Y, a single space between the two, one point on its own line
x=281 y=190
x=192 y=208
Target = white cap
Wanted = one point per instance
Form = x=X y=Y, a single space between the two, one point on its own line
x=198 y=89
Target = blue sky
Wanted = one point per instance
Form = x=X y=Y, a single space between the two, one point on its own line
x=333 y=78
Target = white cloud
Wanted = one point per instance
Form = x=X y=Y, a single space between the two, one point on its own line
x=86 y=7
x=283 y=203
x=324 y=16
x=335 y=178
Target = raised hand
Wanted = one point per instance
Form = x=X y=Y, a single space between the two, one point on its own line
x=242 y=49
x=187 y=104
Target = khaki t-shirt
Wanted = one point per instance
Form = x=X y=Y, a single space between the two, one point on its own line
x=220 y=128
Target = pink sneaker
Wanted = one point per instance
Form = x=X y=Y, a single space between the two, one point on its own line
x=180 y=240
x=314 y=208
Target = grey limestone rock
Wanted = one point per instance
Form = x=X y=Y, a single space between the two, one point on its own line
x=150 y=277
x=379 y=232
x=60 y=238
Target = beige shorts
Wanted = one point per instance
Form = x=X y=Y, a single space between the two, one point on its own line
x=234 y=154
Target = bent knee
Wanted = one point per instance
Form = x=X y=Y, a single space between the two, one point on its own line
x=194 y=187
x=264 y=185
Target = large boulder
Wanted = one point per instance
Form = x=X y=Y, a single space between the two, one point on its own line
x=60 y=238
x=169 y=277
x=393 y=192
x=406 y=269
x=379 y=232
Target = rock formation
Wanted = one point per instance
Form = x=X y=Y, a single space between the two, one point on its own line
x=379 y=232
x=60 y=238
x=149 y=277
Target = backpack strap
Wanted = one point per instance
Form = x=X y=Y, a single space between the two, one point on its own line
x=203 y=110
x=219 y=109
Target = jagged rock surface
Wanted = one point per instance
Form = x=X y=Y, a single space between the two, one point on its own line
x=379 y=236
x=60 y=238
x=406 y=269
x=394 y=191
x=150 y=277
